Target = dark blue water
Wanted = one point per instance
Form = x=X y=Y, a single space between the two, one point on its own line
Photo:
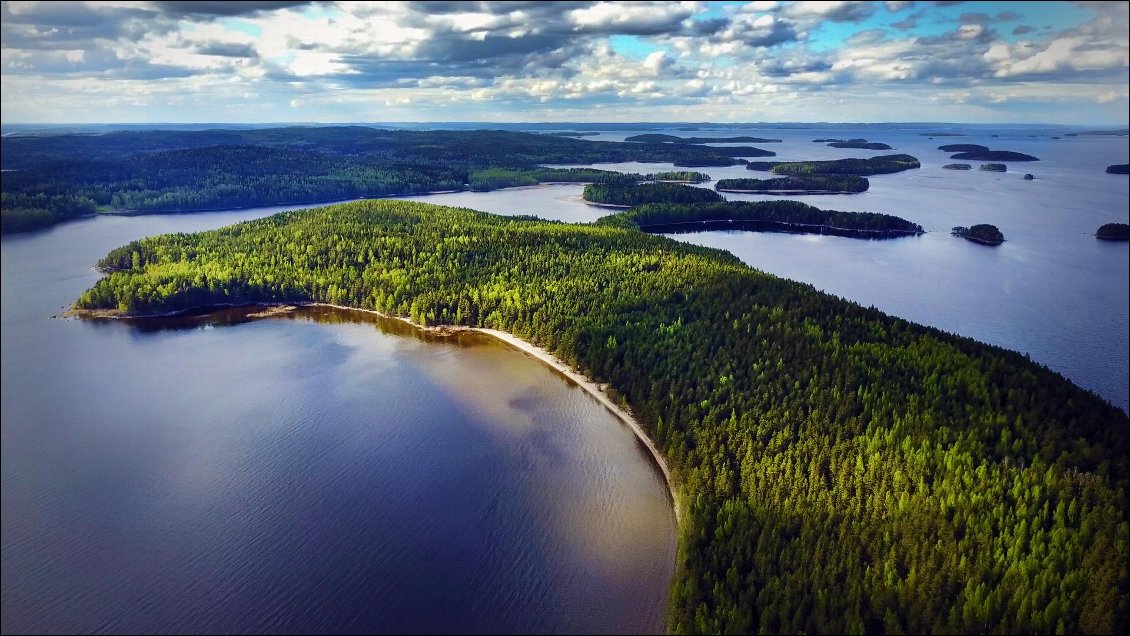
x=320 y=472
x=1051 y=290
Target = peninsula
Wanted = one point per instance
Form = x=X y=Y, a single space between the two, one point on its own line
x=793 y=442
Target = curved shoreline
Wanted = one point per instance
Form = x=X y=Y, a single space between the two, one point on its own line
x=587 y=384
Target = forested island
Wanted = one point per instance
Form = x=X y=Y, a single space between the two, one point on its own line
x=800 y=184
x=839 y=470
x=860 y=144
x=761 y=216
x=994 y=167
x=1114 y=232
x=674 y=139
x=981 y=233
x=957 y=166
x=883 y=164
x=1118 y=168
x=488 y=179
x=628 y=195
x=56 y=177
x=977 y=152
x=679 y=176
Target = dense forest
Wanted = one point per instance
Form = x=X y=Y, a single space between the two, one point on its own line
x=662 y=218
x=684 y=176
x=494 y=178
x=805 y=183
x=883 y=164
x=1114 y=232
x=980 y=233
x=638 y=194
x=156 y=171
x=840 y=470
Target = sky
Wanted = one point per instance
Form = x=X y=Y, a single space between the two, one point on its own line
x=255 y=62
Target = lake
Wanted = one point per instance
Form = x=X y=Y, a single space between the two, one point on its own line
x=1052 y=290
x=326 y=471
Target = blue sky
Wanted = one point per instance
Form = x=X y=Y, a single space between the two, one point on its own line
x=978 y=62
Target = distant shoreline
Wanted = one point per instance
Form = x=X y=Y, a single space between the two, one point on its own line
x=587 y=384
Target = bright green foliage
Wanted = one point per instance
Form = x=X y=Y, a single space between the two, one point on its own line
x=638 y=194
x=815 y=183
x=840 y=470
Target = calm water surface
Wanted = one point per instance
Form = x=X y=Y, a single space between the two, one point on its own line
x=321 y=472
x=1051 y=291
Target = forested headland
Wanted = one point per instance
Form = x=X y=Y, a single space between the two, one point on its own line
x=883 y=164
x=839 y=470
x=52 y=178
x=1118 y=168
x=772 y=216
x=800 y=184
x=638 y=194
x=680 y=176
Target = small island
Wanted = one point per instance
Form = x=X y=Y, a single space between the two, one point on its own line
x=1114 y=232
x=1118 y=168
x=964 y=148
x=800 y=184
x=994 y=167
x=957 y=166
x=761 y=216
x=882 y=164
x=1029 y=177
x=860 y=144
x=982 y=233
x=626 y=196
x=679 y=176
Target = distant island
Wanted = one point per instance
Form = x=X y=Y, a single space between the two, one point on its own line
x=981 y=233
x=957 y=166
x=619 y=195
x=1118 y=168
x=1029 y=177
x=977 y=152
x=994 y=167
x=942 y=134
x=1122 y=132
x=761 y=216
x=571 y=134
x=58 y=177
x=673 y=139
x=799 y=184
x=964 y=148
x=883 y=164
x=1114 y=232
x=680 y=176
x=860 y=144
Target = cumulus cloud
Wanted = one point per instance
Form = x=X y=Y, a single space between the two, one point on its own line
x=431 y=55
